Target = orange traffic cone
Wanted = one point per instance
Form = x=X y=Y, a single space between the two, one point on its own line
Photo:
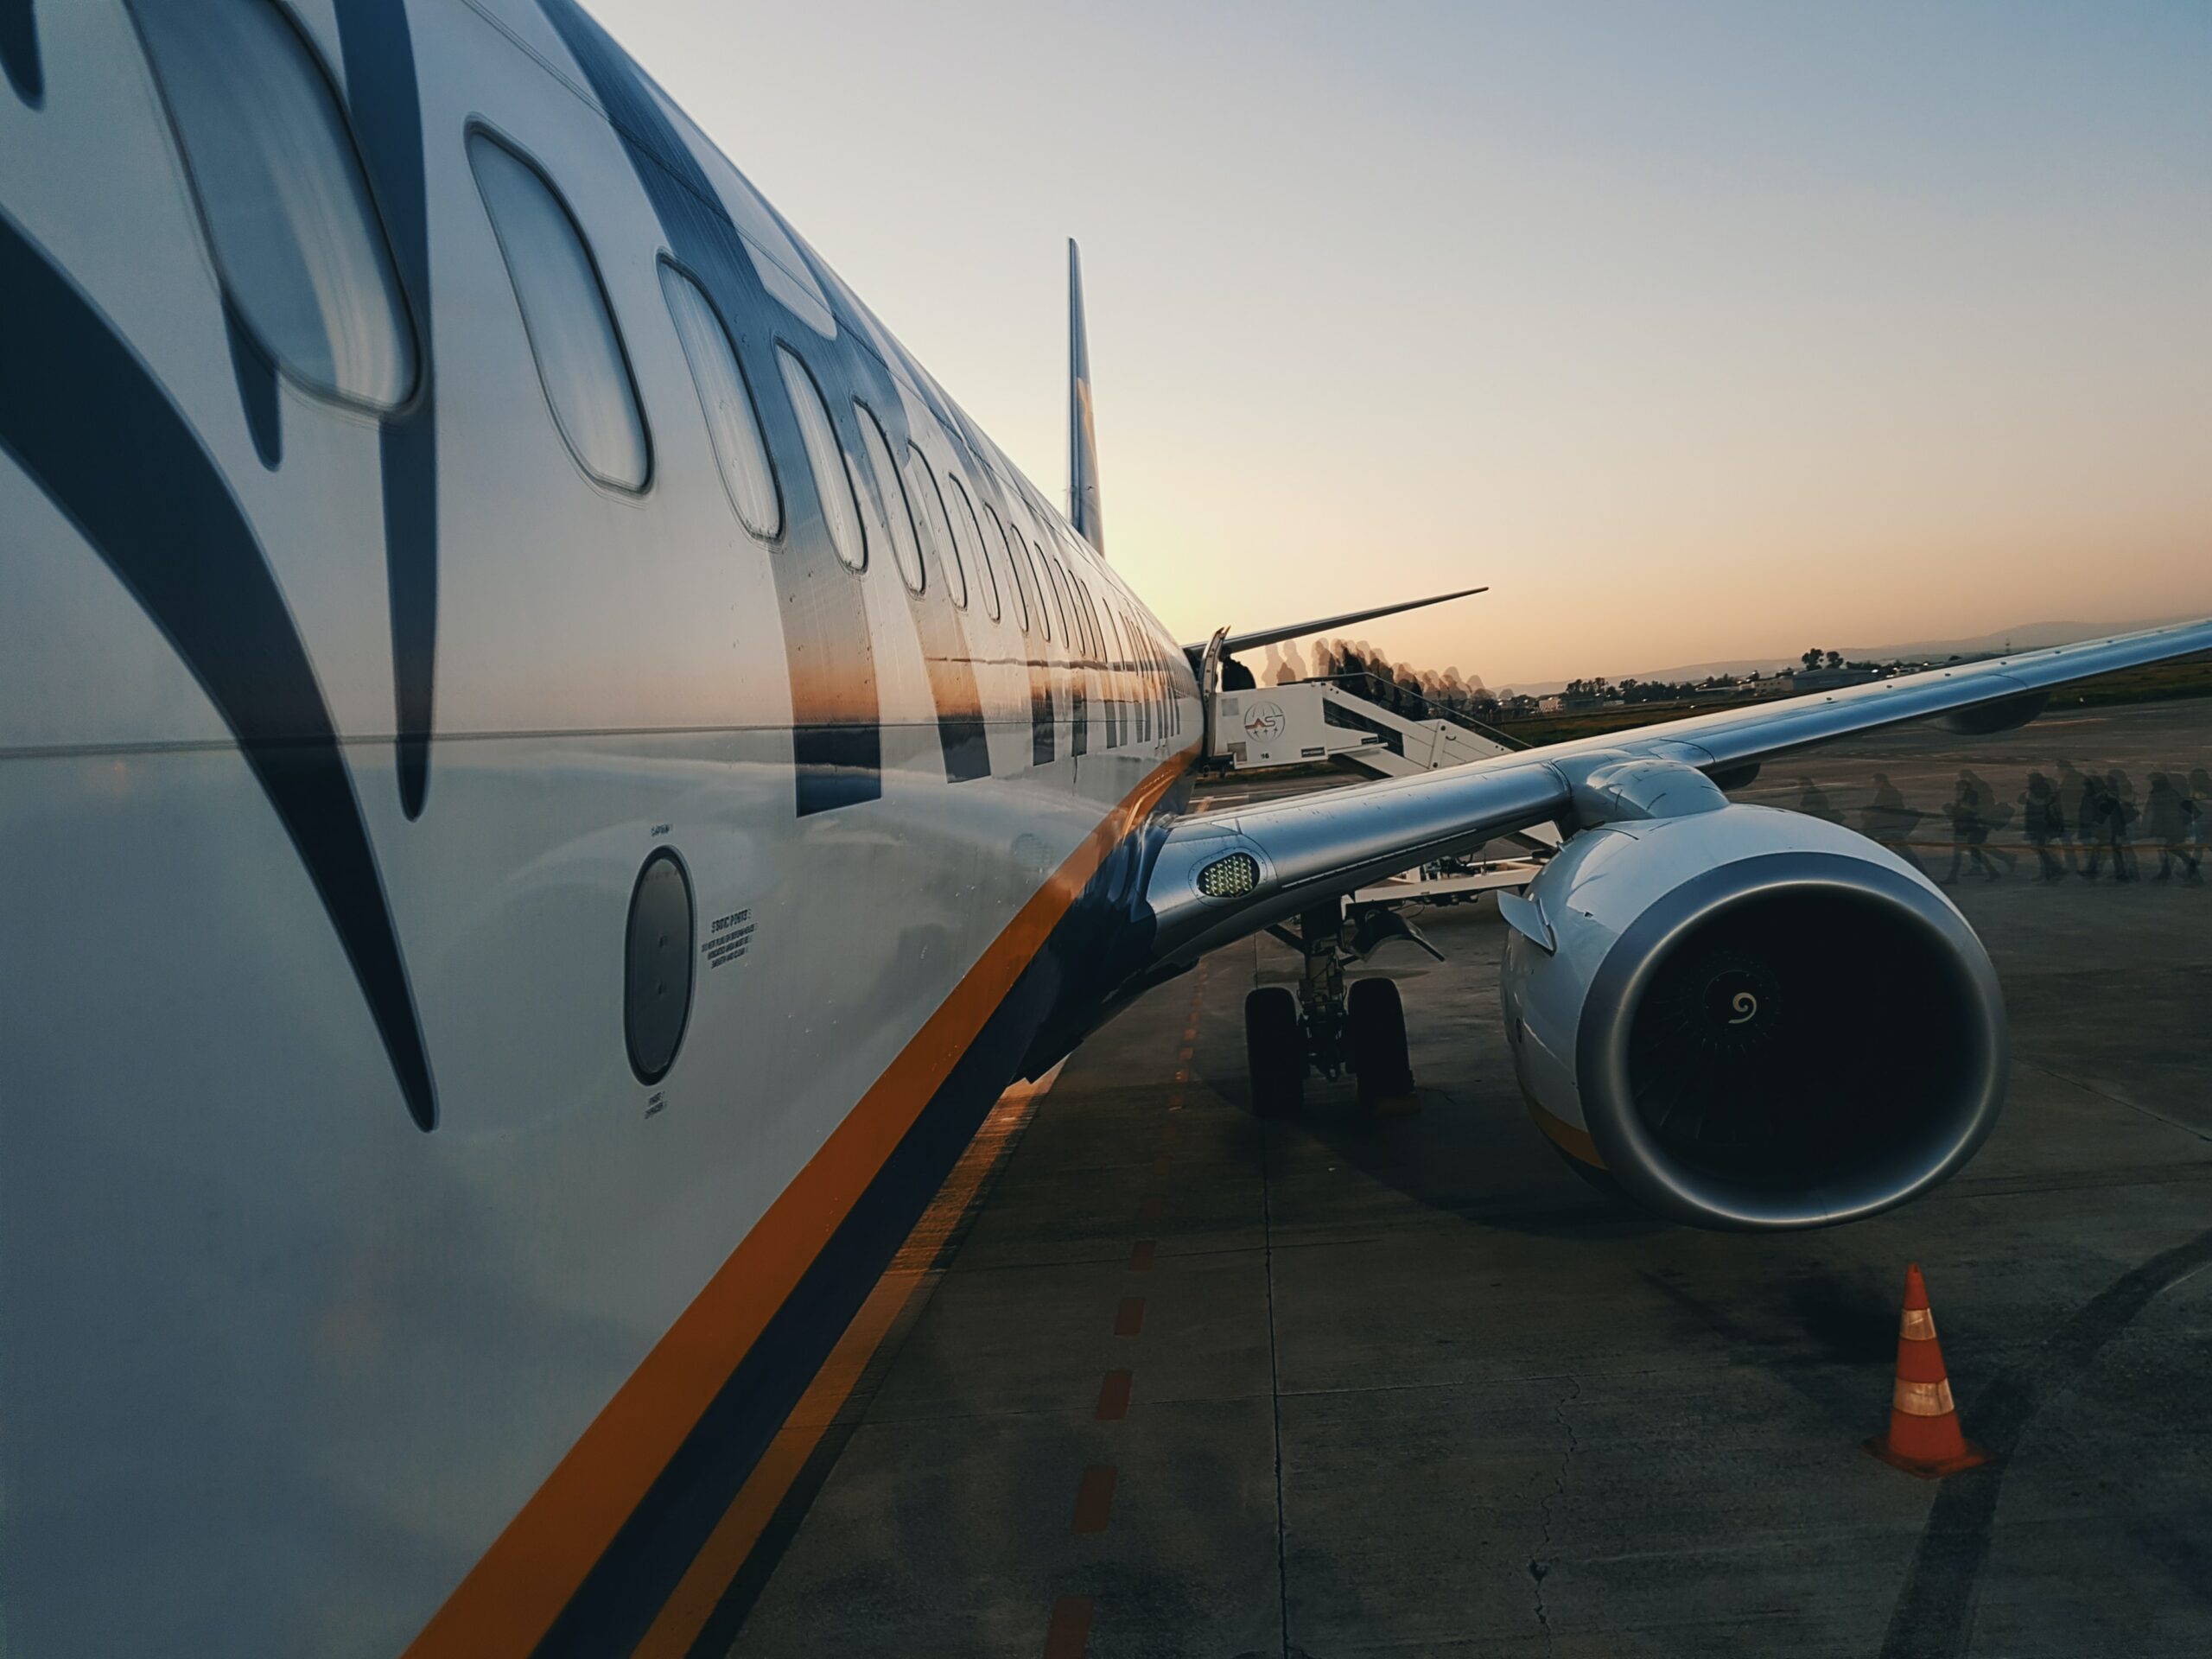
x=1924 y=1437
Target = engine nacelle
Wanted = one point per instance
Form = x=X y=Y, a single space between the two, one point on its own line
x=1750 y=1017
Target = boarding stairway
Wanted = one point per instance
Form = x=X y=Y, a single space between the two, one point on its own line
x=1436 y=734
x=1344 y=720
x=1301 y=721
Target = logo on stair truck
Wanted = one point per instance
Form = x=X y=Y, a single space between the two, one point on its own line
x=1265 y=720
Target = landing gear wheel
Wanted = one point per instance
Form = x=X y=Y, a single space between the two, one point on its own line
x=1275 y=1052
x=1376 y=1024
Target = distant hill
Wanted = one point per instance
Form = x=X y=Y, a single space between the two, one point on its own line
x=2028 y=636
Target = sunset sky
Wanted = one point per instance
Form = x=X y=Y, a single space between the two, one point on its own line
x=1698 y=331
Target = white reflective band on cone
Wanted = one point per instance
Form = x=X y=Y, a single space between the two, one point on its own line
x=1922 y=1399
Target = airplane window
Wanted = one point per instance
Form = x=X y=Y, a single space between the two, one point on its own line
x=1048 y=582
x=1078 y=630
x=1086 y=624
x=1089 y=610
x=833 y=479
x=967 y=528
x=1039 y=585
x=1012 y=567
x=1147 y=672
x=1068 y=606
x=572 y=334
x=898 y=518
x=726 y=400
x=1064 y=610
x=940 y=524
x=1116 y=663
x=289 y=215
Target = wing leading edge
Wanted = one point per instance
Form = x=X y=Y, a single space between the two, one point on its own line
x=1312 y=848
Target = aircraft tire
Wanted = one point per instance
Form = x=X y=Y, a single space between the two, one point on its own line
x=1375 y=1022
x=1275 y=1052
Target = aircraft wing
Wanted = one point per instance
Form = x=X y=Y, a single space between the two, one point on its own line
x=1223 y=875
x=1254 y=638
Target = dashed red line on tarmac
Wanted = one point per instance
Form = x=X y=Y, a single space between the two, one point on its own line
x=1094 y=1499
x=1068 y=1634
x=1068 y=1637
x=1113 y=1396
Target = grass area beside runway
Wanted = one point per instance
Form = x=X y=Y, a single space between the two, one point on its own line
x=2159 y=682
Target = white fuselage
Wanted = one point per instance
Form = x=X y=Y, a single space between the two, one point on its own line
x=277 y=1367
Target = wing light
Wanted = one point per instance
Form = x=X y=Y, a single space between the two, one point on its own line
x=1229 y=878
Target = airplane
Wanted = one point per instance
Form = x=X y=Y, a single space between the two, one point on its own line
x=553 y=775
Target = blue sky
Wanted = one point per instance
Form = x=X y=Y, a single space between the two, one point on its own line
x=1696 y=330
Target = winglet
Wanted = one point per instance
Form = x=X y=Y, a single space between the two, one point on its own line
x=1083 y=436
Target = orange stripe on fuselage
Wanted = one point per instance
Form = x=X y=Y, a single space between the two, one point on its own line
x=916 y=1262
x=1572 y=1139
x=513 y=1593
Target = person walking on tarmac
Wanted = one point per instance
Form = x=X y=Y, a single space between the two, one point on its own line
x=1813 y=802
x=2198 y=809
x=2164 y=820
x=2043 y=821
x=1969 y=816
x=2119 y=824
x=2089 y=815
x=2068 y=787
x=1995 y=815
x=1888 y=821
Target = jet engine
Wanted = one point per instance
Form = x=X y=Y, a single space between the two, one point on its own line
x=1747 y=1018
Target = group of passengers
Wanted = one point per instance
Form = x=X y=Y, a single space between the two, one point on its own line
x=2079 y=823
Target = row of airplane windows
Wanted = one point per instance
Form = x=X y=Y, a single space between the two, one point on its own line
x=303 y=256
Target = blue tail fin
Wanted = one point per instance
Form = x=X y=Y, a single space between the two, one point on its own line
x=1083 y=434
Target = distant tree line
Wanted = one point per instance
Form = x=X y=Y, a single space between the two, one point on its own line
x=1419 y=693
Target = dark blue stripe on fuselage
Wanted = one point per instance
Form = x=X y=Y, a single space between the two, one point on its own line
x=85 y=419
x=385 y=105
x=257 y=382
x=19 y=58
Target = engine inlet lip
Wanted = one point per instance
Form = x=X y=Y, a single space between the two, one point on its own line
x=1658 y=1179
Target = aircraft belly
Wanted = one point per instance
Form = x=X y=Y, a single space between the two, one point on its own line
x=246 y=1300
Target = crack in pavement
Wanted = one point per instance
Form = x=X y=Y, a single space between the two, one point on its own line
x=2107 y=1091
x=1540 y=1564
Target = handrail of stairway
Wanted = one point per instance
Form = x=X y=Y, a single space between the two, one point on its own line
x=1394 y=696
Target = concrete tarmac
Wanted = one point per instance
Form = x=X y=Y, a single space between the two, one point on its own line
x=1198 y=1384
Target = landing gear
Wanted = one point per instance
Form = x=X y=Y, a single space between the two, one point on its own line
x=1324 y=1027
x=1374 y=1025
x=1275 y=1052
